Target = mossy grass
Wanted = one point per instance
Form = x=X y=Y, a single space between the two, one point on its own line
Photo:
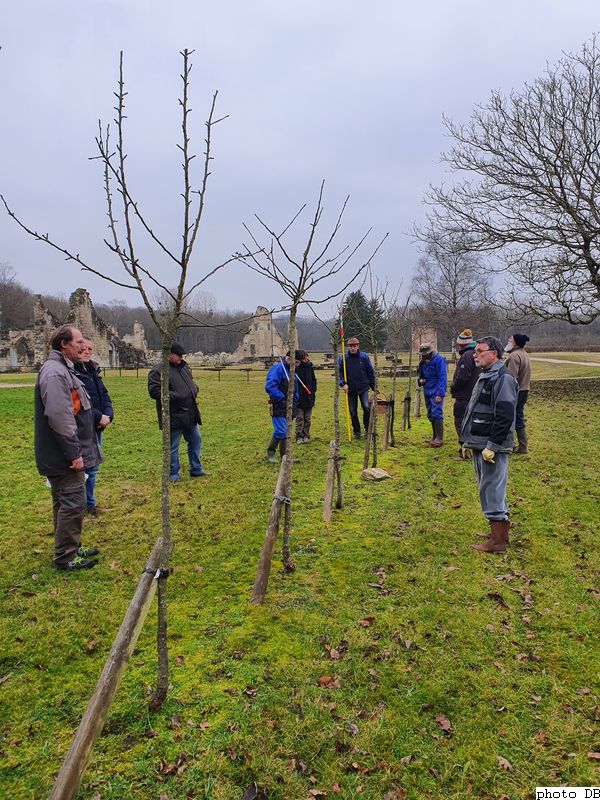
x=344 y=680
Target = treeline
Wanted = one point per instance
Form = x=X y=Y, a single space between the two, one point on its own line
x=210 y=330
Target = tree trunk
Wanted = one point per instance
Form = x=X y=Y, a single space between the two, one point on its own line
x=328 y=496
x=336 y=422
x=162 y=653
x=417 y=410
x=288 y=564
x=369 y=435
x=264 y=563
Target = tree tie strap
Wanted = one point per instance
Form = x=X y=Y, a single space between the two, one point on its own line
x=282 y=498
x=159 y=574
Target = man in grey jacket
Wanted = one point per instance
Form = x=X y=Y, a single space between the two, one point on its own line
x=65 y=445
x=487 y=437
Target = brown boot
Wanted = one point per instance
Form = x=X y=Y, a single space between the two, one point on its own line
x=521 y=448
x=498 y=538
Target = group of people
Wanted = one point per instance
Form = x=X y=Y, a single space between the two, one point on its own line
x=73 y=408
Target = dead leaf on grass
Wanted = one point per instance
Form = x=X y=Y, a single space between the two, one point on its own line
x=593 y=754
x=443 y=723
x=406 y=760
x=91 y=646
x=329 y=682
x=365 y=621
x=504 y=764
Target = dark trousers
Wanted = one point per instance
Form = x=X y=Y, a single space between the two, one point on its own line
x=521 y=400
x=353 y=399
x=68 y=509
x=460 y=408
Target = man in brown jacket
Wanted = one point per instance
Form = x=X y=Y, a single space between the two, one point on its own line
x=519 y=366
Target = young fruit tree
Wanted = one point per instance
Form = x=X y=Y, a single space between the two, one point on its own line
x=301 y=274
x=125 y=222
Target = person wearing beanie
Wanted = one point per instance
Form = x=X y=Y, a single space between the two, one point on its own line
x=487 y=435
x=433 y=379
x=276 y=386
x=519 y=365
x=184 y=412
x=465 y=378
x=306 y=401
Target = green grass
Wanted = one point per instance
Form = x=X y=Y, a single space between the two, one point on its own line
x=505 y=647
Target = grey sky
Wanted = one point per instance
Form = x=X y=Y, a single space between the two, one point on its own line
x=342 y=90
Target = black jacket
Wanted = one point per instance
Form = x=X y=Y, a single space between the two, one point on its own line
x=465 y=375
x=182 y=395
x=89 y=375
x=359 y=372
x=306 y=373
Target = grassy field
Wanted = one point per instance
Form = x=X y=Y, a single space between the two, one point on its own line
x=394 y=658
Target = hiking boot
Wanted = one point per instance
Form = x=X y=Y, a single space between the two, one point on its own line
x=271 y=450
x=356 y=435
x=438 y=433
x=498 y=538
x=88 y=552
x=201 y=474
x=77 y=563
x=521 y=447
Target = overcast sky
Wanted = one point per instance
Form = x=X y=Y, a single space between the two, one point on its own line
x=341 y=90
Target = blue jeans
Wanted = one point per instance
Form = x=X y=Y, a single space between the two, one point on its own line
x=90 y=482
x=194 y=441
x=353 y=399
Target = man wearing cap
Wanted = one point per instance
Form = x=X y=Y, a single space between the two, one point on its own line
x=487 y=437
x=465 y=378
x=184 y=413
x=433 y=378
x=276 y=386
x=519 y=366
x=360 y=377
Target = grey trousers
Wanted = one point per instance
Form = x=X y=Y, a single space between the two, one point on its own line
x=68 y=509
x=491 y=482
x=303 y=416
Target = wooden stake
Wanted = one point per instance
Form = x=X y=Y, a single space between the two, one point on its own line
x=328 y=497
x=72 y=769
x=264 y=563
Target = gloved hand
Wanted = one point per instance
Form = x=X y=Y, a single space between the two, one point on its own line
x=488 y=455
x=467 y=453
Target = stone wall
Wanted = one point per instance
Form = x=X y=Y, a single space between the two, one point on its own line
x=261 y=340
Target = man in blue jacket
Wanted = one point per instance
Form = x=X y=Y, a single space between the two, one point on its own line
x=360 y=377
x=433 y=379
x=276 y=386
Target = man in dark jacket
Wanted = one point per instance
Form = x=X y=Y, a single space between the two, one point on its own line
x=433 y=378
x=184 y=413
x=519 y=366
x=88 y=373
x=306 y=401
x=276 y=386
x=360 y=377
x=65 y=444
x=487 y=437
x=465 y=378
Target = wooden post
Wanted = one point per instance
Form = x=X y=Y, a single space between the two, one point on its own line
x=406 y=411
x=72 y=769
x=264 y=563
x=417 y=411
x=385 y=437
x=369 y=435
x=328 y=497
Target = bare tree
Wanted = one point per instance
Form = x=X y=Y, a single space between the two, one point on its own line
x=528 y=181
x=138 y=276
x=300 y=277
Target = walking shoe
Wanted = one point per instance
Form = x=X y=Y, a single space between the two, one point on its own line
x=87 y=552
x=94 y=511
x=174 y=478
x=356 y=435
x=77 y=563
x=201 y=474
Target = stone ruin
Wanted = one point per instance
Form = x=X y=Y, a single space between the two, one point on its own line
x=28 y=349
x=261 y=340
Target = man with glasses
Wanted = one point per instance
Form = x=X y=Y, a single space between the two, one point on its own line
x=360 y=377
x=487 y=437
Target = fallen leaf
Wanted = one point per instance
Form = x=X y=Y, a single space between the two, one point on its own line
x=179 y=660
x=365 y=622
x=336 y=788
x=329 y=682
x=250 y=691
x=593 y=754
x=91 y=646
x=334 y=654
x=253 y=793
x=4 y=678
x=443 y=723
x=583 y=690
x=406 y=760
x=504 y=764
x=198 y=569
x=352 y=729
x=490 y=628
